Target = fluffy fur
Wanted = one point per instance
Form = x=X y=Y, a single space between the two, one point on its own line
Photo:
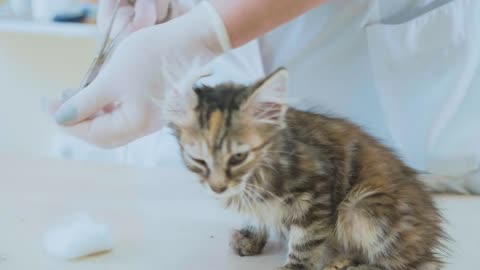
x=342 y=199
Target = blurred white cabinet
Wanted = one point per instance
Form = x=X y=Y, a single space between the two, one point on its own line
x=66 y=30
x=37 y=61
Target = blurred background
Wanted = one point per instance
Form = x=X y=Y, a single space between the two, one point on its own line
x=37 y=38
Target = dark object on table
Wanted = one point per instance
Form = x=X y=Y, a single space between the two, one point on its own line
x=76 y=17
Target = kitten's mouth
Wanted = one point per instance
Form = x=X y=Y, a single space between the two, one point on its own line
x=229 y=192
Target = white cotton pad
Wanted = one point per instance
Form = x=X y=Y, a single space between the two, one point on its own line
x=77 y=236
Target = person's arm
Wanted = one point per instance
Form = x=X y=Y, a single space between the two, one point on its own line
x=248 y=19
x=131 y=95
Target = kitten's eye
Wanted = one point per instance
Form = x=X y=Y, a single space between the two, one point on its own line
x=199 y=161
x=237 y=158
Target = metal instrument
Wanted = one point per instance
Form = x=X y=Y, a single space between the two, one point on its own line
x=106 y=47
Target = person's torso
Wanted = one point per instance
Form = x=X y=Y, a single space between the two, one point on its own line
x=344 y=57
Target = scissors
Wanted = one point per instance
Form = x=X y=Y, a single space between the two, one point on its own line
x=106 y=47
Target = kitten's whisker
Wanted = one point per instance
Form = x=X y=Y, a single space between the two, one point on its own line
x=261 y=177
x=242 y=203
x=264 y=202
x=265 y=164
x=249 y=200
x=271 y=194
x=256 y=193
x=259 y=196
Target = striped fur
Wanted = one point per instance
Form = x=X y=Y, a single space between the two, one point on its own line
x=343 y=200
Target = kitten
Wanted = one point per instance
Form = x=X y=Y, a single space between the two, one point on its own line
x=342 y=200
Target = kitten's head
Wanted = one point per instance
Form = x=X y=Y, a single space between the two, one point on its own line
x=225 y=131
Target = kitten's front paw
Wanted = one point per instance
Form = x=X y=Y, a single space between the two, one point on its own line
x=247 y=242
x=339 y=264
x=363 y=267
x=293 y=267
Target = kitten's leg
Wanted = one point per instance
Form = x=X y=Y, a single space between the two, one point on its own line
x=307 y=246
x=365 y=220
x=370 y=221
x=339 y=264
x=249 y=241
x=430 y=266
x=347 y=264
x=363 y=267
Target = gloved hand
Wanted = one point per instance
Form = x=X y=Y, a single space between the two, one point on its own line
x=117 y=107
x=142 y=14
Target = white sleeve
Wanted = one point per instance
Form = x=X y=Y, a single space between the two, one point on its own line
x=427 y=75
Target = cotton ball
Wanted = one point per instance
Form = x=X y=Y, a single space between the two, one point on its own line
x=77 y=236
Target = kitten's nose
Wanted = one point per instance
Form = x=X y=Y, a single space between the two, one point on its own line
x=219 y=189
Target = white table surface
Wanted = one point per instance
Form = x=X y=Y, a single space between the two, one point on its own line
x=160 y=218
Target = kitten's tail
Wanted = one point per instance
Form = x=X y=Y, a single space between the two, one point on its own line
x=468 y=183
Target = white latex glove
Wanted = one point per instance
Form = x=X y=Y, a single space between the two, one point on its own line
x=117 y=107
x=143 y=14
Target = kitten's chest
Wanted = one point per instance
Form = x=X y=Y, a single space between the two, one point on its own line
x=274 y=214
x=270 y=214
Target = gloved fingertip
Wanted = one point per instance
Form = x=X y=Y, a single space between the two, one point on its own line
x=145 y=14
x=65 y=115
x=68 y=93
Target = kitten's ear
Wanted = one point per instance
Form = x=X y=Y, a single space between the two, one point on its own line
x=182 y=99
x=267 y=101
x=179 y=106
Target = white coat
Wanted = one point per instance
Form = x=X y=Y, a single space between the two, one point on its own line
x=407 y=71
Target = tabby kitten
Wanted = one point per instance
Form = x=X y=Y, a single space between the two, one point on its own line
x=341 y=199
